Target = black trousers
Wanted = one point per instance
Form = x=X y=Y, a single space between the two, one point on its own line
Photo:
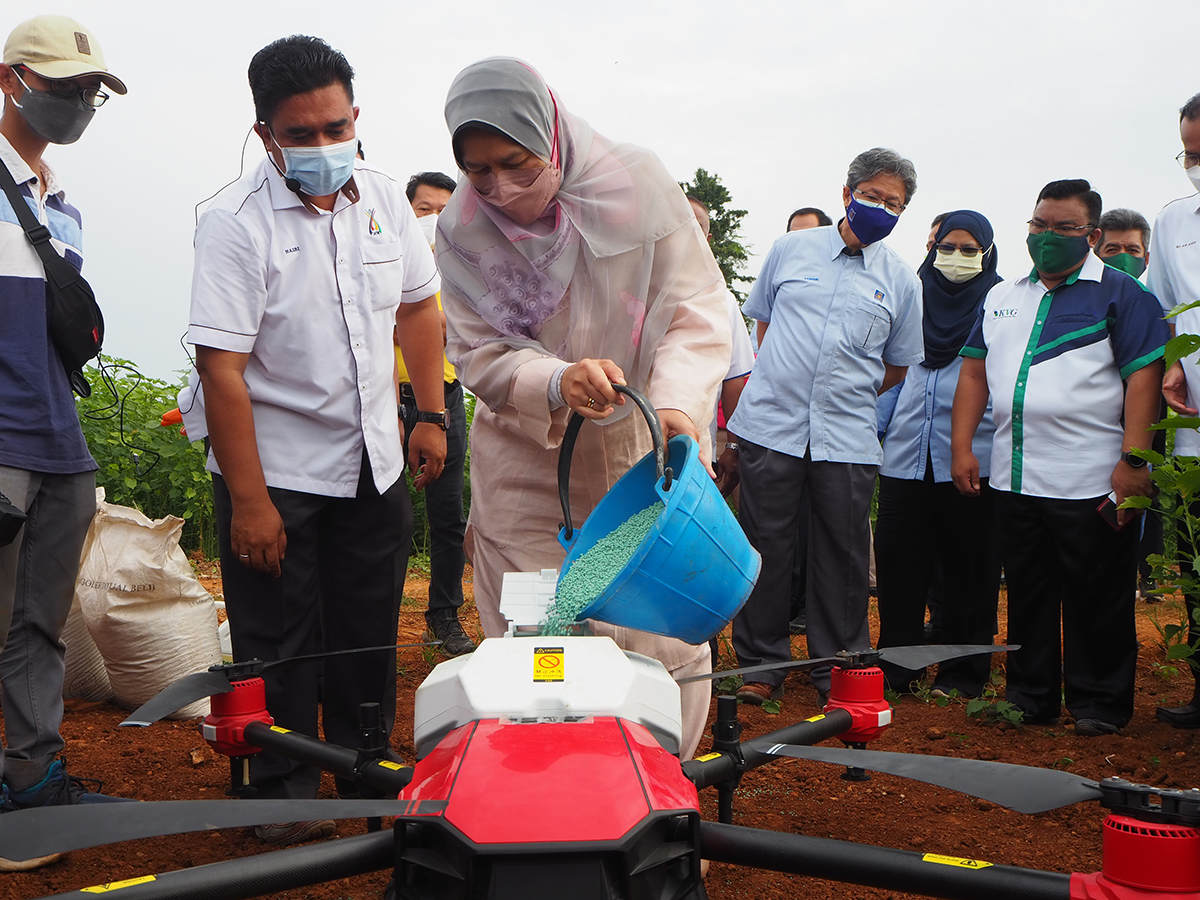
x=839 y=495
x=1061 y=558
x=443 y=502
x=924 y=529
x=339 y=588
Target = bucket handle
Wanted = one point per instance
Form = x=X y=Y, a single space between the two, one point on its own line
x=568 y=447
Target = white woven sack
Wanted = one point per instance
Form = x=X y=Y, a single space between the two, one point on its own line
x=150 y=617
x=86 y=677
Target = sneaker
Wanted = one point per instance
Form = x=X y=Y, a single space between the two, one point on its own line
x=58 y=788
x=21 y=865
x=295 y=832
x=446 y=628
x=1095 y=728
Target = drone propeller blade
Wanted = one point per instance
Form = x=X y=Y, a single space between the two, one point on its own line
x=918 y=657
x=764 y=667
x=328 y=653
x=1025 y=789
x=175 y=696
x=43 y=830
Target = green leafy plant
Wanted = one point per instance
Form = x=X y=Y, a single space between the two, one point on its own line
x=143 y=464
x=725 y=222
x=989 y=708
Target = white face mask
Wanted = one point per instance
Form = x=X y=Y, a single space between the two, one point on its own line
x=1193 y=175
x=958 y=268
x=428 y=227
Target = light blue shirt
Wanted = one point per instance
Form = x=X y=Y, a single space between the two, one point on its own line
x=919 y=429
x=834 y=321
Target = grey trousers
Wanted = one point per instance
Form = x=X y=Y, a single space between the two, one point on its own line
x=37 y=581
x=839 y=496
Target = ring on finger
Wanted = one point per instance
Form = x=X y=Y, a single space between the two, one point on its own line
x=591 y=403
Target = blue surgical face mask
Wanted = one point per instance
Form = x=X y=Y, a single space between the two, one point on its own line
x=319 y=171
x=869 y=221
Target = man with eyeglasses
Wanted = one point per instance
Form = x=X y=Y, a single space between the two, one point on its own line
x=51 y=79
x=1174 y=276
x=840 y=322
x=1071 y=356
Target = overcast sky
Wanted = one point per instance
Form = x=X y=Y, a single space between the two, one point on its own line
x=990 y=100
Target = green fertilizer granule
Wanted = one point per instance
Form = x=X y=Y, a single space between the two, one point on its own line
x=594 y=571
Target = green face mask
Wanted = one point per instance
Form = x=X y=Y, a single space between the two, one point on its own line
x=1128 y=263
x=1052 y=253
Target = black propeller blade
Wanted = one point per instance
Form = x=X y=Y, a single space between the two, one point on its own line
x=199 y=685
x=915 y=657
x=920 y=656
x=29 y=833
x=1025 y=789
x=179 y=694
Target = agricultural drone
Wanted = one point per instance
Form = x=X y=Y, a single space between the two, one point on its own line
x=546 y=764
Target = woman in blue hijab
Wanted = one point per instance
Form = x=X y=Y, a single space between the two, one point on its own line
x=925 y=528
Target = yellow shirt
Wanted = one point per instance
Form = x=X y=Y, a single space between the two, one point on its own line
x=448 y=373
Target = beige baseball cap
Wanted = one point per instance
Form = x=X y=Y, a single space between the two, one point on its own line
x=58 y=47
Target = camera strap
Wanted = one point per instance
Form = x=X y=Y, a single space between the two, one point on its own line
x=73 y=318
x=58 y=271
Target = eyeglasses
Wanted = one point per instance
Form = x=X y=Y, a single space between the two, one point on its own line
x=1187 y=160
x=66 y=89
x=1066 y=229
x=968 y=251
x=894 y=208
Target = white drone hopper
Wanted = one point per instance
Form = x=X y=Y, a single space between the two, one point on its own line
x=523 y=679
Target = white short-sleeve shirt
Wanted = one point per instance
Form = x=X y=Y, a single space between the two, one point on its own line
x=312 y=298
x=1174 y=277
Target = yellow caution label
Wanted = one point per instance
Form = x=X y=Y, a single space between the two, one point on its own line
x=707 y=756
x=388 y=764
x=817 y=718
x=117 y=885
x=955 y=861
x=280 y=730
x=548 y=664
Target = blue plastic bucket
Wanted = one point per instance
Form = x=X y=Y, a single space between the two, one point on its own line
x=694 y=569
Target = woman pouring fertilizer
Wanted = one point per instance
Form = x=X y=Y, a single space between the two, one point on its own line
x=569 y=263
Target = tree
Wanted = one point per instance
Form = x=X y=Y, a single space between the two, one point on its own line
x=726 y=242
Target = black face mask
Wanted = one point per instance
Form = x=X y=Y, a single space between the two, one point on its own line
x=60 y=120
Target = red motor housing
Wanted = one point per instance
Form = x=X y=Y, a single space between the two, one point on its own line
x=225 y=726
x=860 y=693
x=1144 y=860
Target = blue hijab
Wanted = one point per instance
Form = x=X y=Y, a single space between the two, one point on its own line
x=951 y=309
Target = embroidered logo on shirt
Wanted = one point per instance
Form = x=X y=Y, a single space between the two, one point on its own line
x=1184 y=244
x=1010 y=313
x=811 y=278
x=879 y=295
x=373 y=226
x=295 y=249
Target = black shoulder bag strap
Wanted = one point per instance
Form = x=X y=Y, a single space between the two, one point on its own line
x=73 y=317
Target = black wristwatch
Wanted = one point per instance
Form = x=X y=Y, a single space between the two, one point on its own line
x=1134 y=462
x=434 y=418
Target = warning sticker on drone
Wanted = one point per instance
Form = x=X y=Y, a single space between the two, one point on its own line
x=117 y=885
x=955 y=861
x=548 y=664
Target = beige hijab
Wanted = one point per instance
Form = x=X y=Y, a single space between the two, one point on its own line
x=596 y=245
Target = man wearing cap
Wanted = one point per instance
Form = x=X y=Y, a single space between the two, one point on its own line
x=53 y=79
